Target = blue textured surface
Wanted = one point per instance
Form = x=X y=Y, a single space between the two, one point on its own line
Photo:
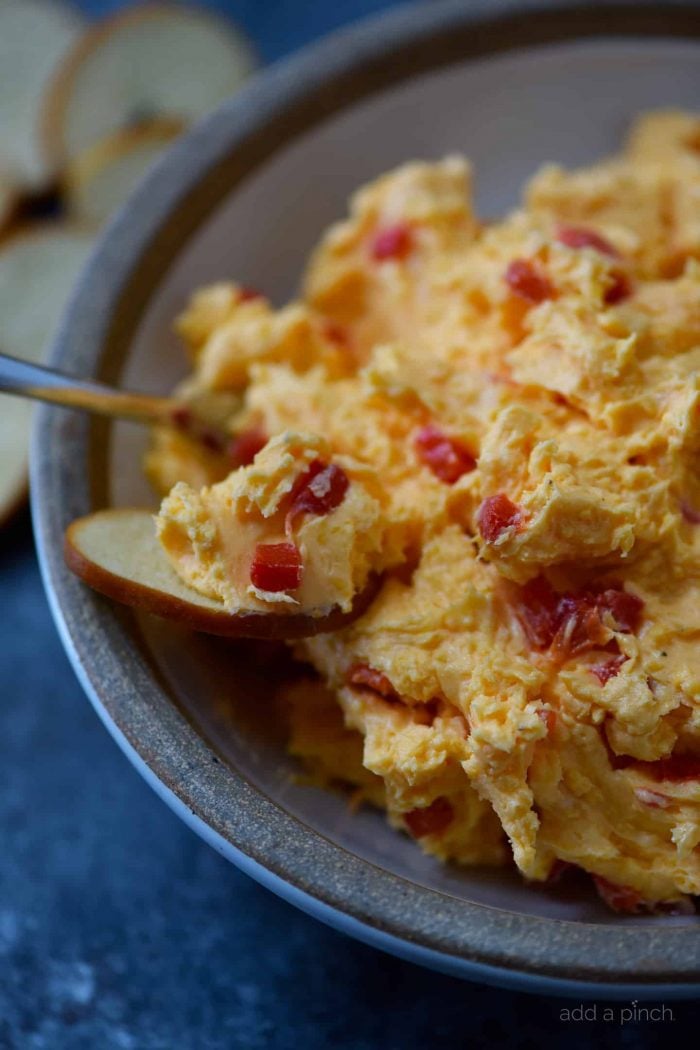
x=120 y=929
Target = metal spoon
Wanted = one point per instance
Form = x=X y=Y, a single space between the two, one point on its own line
x=201 y=418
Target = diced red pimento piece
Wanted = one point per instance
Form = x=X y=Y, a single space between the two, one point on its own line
x=581 y=627
x=622 y=899
x=392 y=242
x=210 y=439
x=447 y=457
x=335 y=333
x=572 y=623
x=690 y=514
x=181 y=417
x=618 y=290
x=431 y=820
x=609 y=669
x=184 y=420
x=320 y=489
x=628 y=901
x=655 y=799
x=496 y=514
x=526 y=281
x=626 y=608
x=276 y=567
x=245 y=446
x=677 y=768
x=247 y=294
x=582 y=237
x=368 y=678
x=538 y=612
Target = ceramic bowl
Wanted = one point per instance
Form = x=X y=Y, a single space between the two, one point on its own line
x=246 y=194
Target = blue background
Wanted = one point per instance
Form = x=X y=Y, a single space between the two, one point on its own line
x=120 y=929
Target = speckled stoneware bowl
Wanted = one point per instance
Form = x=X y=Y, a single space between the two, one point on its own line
x=247 y=193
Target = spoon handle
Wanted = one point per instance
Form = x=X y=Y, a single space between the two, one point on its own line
x=46 y=384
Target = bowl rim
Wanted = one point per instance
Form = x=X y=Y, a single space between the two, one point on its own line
x=103 y=642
